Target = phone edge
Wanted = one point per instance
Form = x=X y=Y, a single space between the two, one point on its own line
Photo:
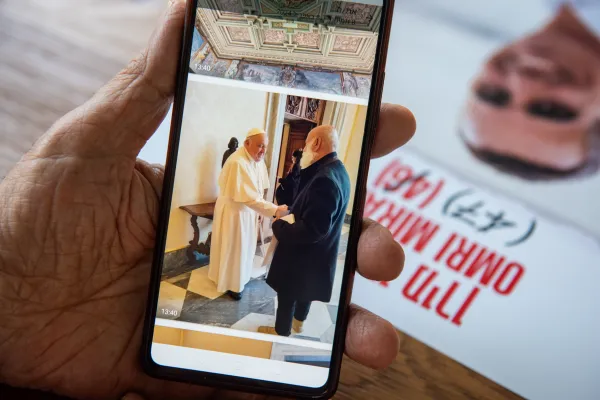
x=245 y=384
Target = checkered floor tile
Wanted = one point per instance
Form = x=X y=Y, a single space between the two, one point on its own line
x=186 y=294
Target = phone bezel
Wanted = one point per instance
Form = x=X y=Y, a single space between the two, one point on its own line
x=245 y=384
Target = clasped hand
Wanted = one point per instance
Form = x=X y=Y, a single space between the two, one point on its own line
x=282 y=211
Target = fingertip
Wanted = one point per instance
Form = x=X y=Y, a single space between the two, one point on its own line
x=380 y=257
x=157 y=64
x=137 y=100
x=371 y=340
x=164 y=47
x=397 y=125
x=177 y=3
x=177 y=9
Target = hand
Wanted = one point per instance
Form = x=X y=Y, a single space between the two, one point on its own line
x=77 y=225
x=282 y=211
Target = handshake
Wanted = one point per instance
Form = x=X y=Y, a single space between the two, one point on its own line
x=282 y=211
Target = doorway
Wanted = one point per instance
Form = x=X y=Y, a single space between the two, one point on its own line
x=302 y=114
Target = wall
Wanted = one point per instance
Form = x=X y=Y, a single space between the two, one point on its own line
x=344 y=122
x=284 y=144
x=274 y=126
x=351 y=128
x=352 y=157
x=213 y=115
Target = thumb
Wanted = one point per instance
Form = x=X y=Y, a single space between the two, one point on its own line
x=124 y=114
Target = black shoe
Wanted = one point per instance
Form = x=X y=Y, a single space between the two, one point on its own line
x=234 y=295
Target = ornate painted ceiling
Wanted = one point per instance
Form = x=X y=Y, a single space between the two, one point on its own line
x=326 y=34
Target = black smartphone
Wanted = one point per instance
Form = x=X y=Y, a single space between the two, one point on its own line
x=274 y=117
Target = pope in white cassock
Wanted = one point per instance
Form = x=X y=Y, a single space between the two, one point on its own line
x=242 y=184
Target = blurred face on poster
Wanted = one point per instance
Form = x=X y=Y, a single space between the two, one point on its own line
x=534 y=108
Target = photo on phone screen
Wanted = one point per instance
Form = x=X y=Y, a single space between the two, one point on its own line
x=264 y=187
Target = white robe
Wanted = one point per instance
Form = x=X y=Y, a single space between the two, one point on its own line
x=234 y=240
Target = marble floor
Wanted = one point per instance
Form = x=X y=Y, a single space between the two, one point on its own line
x=186 y=294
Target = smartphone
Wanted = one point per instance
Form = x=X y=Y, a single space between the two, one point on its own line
x=274 y=117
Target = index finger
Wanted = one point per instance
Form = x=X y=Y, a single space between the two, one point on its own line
x=380 y=257
x=397 y=126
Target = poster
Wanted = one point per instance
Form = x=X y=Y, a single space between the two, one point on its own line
x=443 y=53
x=492 y=284
x=493 y=199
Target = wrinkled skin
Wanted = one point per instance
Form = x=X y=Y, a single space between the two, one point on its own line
x=77 y=227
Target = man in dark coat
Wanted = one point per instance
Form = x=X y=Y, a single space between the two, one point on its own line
x=288 y=186
x=303 y=266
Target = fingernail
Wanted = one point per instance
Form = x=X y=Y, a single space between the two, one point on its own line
x=173 y=2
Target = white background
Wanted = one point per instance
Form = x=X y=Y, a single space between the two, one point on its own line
x=436 y=48
x=542 y=341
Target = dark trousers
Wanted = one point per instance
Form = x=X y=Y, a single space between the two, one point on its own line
x=287 y=310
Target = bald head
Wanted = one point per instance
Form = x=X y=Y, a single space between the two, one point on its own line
x=325 y=138
x=320 y=142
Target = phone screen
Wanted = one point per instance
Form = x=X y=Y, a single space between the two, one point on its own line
x=266 y=166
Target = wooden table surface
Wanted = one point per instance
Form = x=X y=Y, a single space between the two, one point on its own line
x=55 y=53
x=206 y=210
